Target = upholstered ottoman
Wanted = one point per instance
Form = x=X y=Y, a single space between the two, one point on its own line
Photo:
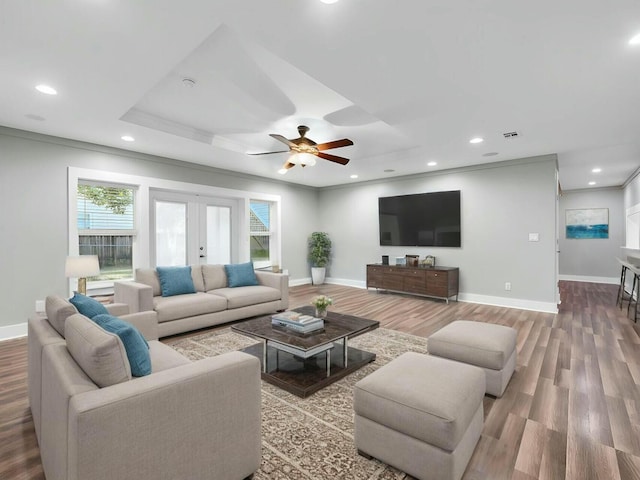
x=488 y=346
x=420 y=414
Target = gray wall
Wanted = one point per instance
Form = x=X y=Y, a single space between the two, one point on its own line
x=593 y=257
x=33 y=219
x=501 y=205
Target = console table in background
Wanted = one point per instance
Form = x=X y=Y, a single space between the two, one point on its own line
x=436 y=282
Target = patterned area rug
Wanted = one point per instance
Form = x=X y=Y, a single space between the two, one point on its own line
x=312 y=438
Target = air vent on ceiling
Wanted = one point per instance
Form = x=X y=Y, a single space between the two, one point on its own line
x=513 y=134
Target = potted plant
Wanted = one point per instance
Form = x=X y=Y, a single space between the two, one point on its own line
x=319 y=251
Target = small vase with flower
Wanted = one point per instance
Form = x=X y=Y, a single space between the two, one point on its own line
x=321 y=302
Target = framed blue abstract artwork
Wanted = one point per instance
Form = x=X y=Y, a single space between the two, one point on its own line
x=587 y=223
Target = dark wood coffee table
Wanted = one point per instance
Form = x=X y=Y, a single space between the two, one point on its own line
x=303 y=364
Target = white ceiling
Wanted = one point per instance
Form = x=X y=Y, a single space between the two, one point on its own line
x=409 y=82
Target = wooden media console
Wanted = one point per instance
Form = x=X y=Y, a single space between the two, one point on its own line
x=436 y=282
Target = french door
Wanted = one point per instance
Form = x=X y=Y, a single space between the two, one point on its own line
x=189 y=229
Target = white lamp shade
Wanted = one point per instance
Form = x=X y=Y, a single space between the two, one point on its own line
x=304 y=159
x=82 y=266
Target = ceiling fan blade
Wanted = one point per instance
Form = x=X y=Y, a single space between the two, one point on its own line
x=333 y=158
x=269 y=153
x=345 y=142
x=282 y=139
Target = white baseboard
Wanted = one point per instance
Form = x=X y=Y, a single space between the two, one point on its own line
x=329 y=280
x=346 y=282
x=13 y=331
x=299 y=281
x=520 y=303
x=584 y=278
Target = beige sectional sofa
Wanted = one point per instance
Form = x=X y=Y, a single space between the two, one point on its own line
x=185 y=420
x=212 y=304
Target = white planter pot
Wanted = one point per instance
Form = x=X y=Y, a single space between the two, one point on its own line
x=317 y=275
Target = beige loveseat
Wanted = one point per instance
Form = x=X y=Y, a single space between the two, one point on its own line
x=212 y=304
x=191 y=420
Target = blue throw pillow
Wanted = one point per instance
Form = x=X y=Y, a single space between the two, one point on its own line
x=134 y=343
x=175 y=280
x=241 y=275
x=87 y=306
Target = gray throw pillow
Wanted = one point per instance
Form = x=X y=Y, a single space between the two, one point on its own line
x=100 y=354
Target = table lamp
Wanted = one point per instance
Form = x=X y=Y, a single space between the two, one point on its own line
x=81 y=267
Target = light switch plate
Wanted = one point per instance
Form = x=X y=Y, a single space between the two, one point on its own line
x=534 y=237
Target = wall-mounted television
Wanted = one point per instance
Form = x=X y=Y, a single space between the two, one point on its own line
x=420 y=220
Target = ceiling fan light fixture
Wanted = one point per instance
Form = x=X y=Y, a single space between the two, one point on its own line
x=329 y=2
x=303 y=159
x=305 y=152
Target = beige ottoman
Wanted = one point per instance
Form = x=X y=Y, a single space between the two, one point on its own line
x=420 y=414
x=490 y=347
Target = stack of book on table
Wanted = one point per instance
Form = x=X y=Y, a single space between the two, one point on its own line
x=297 y=322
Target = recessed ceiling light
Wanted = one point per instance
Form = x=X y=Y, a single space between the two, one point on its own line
x=432 y=164
x=328 y=1
x=127 y=138
x=635 y=40
x=282 y=171
x=476 y=140
x=592 y=183
x=46 y=89
x=188 y=82
x=353 y=176
x=596 y=170
x=490 y=154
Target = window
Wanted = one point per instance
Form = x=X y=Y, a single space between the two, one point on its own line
x=113 y=215
x=218 y=234
x=261 y=233
x=171 y=233
x=106 y=228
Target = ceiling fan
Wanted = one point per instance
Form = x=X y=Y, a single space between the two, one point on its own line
x=304 y=150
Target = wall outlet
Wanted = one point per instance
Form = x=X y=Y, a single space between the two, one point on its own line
x=40 y=306
x=507 y=286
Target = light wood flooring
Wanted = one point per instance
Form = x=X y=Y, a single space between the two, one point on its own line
x=571 y=410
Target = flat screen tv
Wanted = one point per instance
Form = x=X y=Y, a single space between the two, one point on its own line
x=420 y=220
